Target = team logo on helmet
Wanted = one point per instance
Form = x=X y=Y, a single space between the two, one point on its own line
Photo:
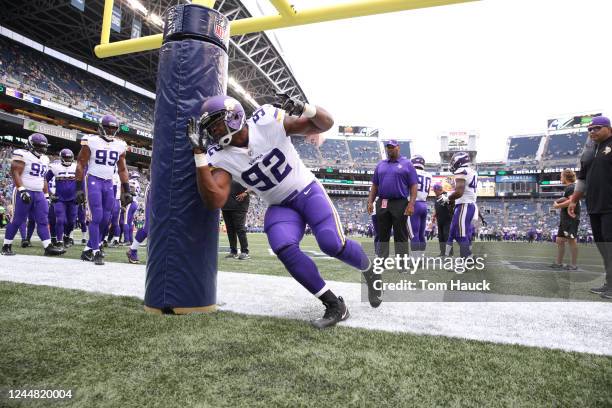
x=222 y=117
x=459 y=159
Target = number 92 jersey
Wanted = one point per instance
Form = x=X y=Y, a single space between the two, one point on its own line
x=104 y=155
x=34 y=171
x=471 y=182
x=270 y=166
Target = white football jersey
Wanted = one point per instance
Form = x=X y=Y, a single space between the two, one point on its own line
x=104 y=155
x=471 y=182
x=270 y=166
x=423 y=184
x=61 y=172
x=33 y=176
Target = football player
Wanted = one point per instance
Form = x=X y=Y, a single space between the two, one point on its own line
x=464 y=197
x=63 y=171
x=141 y=234
x=418 y=220
x=101 y=155
x=30 y=195
x=130 y=211
x=114 y=229
x=259 y=154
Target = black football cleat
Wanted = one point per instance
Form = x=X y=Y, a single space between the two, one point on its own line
x=53 y=241
x=68 y=242
x=7 y=249
x=84 y=241
x=87 y=255
x=52 y=250
x=374 y=295
x=98 y=258
x=114 y=244
x=26 y=243
x=607 y=294
x=334 y=312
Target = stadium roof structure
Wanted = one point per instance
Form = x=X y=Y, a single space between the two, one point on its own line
x=254 y=62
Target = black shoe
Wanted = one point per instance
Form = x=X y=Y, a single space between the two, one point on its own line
x=102 y=253
x=68 y=242
x=53 y=241
x=113 y=244
x=26 y=243
x=104 y=244
x=374 y=295
x=7 y=249
x=600 y=290
x=334 y=312
x=98 y=258
x=607 y=294
x=84 y=241
x=52 y=250
x=231 y=255
x=87 y=255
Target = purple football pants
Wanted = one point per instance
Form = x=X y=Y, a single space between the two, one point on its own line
x=81 y=216
x=285 y=224
x=112 y=228
x=37 y=209
x=100 y=198
x=65 y=216
x=461 y=228
x=416 y=226
x=128 y=227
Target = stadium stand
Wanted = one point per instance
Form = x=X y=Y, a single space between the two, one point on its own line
x=364 y=151
x=48 y=78
x=564 y=146
x=523 y=150
x=307 y=151
x=334 y=151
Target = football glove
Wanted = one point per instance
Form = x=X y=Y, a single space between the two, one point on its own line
x=194 y=135
x=443 y=199
x=25 y=196
x=290 y=105
x=126 y=195
x=53 y=199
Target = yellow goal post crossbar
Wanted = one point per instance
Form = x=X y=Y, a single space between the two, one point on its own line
x=287 y=17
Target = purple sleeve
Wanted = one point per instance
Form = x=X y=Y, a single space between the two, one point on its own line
x=375 y=176
x=49 y=175
x=412 y=176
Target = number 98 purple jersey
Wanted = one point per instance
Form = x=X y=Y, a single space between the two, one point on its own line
x=270 y=166
x=34 y=171
x=104 y=155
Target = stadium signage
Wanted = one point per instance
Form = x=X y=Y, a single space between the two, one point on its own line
x=559 y=169
x=139 y=150
x=515 y=178
x=51 y=130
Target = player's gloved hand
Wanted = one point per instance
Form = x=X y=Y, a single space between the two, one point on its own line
x=53 y=199
x=290 y=105
x=443 y=199
x=25 y=196
x=197 y=140
x=126 y=195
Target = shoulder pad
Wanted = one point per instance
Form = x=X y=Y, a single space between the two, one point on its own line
x=462 y=171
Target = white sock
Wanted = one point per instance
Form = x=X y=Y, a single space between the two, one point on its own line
x=8 y=241
x=96 y=251
x=135 y=245
x=115 y=239
x=86 y=248
x=46 y=243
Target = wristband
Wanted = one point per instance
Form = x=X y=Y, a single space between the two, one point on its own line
x=20 y=189
x=46 y=195
x=309 y=111
x=125 y=187
x=200 y=159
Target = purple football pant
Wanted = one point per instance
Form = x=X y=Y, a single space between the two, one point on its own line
x=285 y=224
x=115 y=230
x=52 y=221
x=128 y=227
x=100 y=197
x=37 y=210
x=416 y=226
x=461 y=228
x=65 y=216
x=30 y=227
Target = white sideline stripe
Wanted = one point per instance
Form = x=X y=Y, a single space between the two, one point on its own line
x=571 y=326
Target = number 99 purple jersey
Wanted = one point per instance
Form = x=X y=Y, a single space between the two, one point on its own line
x=270 y=166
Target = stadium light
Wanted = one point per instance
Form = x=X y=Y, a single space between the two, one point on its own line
x=138 y=6
x=155 y=19
x=243 y=92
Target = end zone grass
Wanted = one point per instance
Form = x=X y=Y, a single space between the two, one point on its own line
x=113 y=354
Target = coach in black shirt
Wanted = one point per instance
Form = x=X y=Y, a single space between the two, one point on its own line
x=234 y=214
x=595 y=183
x=443 y=215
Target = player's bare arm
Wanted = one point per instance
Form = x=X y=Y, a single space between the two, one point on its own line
x=372 y=197
x=124 y=177
x=414 y=189
x=214 y=186
x=459 y=190
x=16 y=172
x=82 y=160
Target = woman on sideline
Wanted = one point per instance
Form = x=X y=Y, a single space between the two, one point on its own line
x=568 y=226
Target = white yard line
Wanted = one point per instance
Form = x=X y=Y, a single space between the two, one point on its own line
x=572 y=326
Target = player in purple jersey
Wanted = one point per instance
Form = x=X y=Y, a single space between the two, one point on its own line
x=28 y=169
x=65 y=194
x=259 y=154
x=102 y=155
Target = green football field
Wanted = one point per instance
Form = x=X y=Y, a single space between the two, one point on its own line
x=111 y=354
